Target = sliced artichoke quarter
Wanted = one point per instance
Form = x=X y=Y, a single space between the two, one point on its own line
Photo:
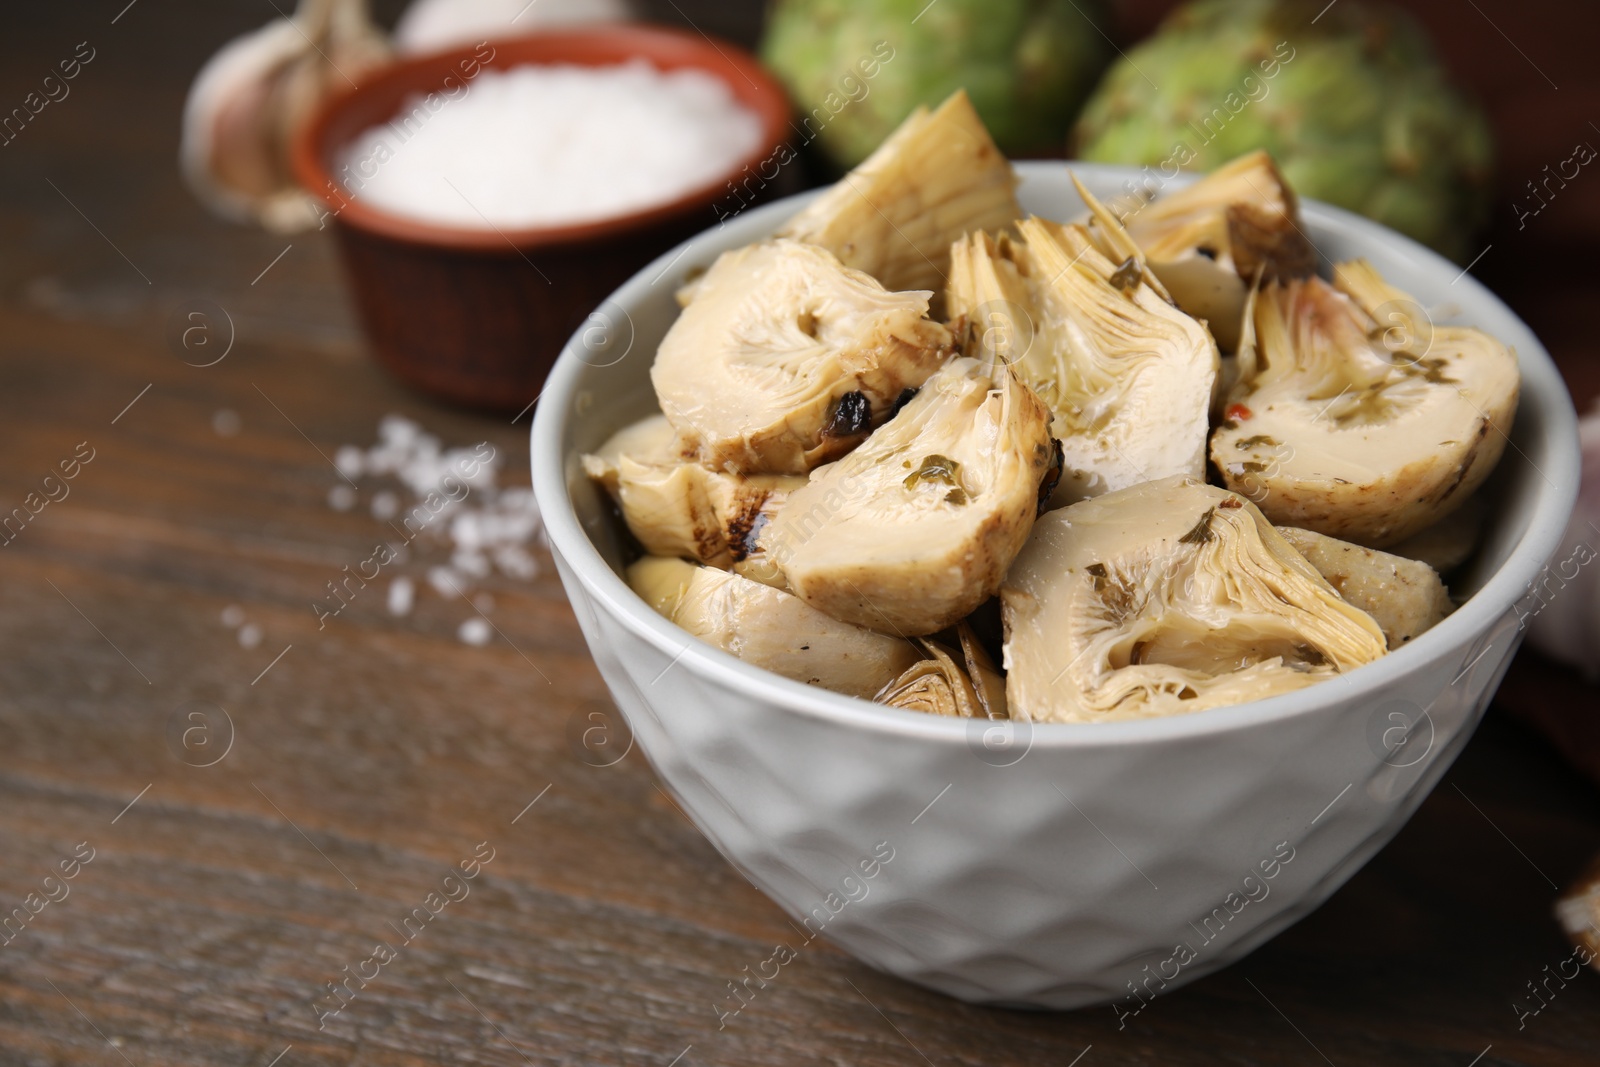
x=936 y=177
x=769 y=628
x=675 y=506
x=968 y=688
x=1128 y=377
x=1207 y=242
x=785 y=359
x=1451 y=541
x=915 y=528
x=1404 y=596
x=1169 y=597
x=1358 y=418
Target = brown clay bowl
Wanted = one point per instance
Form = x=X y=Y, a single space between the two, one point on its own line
x=476 y=316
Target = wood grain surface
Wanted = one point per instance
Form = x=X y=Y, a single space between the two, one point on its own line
x=369 y=758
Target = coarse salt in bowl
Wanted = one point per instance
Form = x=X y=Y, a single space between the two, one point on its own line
x=472 y=254
x=543 y=145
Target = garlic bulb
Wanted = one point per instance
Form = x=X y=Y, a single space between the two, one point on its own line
x=1563 y=606
x=252 y=97
x=434 y=25
x=1578 y=912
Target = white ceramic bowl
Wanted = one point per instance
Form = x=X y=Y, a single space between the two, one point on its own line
x=1055 y=865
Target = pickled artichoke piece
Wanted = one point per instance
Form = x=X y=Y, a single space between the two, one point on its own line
x=1404 y=597
x=1451 y=541
x=756 y=564
x=1360 y=419
x=770 y=628
x=676 y=507
x=914 y=529
x=968 y=688
x=1106 y=232
x=1127 y=376
x=785 y=359
x=1166 y=598
x=1207 y=242
x=936 y=177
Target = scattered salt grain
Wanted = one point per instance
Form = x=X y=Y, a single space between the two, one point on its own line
x=233 y=616
x=449 y=495
x=464 y=530
x=546 y=145
x=516 y=561
x=397 y=430
x=349 y=459
x=249 y=635
x=445 y=581
x=474 y=631
x=470 y=562
x=226 y=422
x=401 y=593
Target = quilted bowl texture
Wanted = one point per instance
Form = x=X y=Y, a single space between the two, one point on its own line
x=1052 y=865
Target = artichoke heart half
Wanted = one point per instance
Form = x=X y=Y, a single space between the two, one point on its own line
x=1358 y=418
x=914 y=529
x=1166 y=598
x=1404 y=596
x=676 y=507
x=936 y=177
x=785 y=358
x=769 y=628
x=969 y=688
x=1128 y=377
x=1209 y=241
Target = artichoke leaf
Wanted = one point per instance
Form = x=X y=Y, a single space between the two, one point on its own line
x=969 y=688
x=895 y=215
x=1210 y=240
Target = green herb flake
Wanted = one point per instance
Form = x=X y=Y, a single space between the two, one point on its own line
x=1201 y=533
x=936 y=468
x=1127 y=275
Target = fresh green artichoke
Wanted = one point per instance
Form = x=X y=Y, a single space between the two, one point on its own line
x=1354 y=107
x=855 y=68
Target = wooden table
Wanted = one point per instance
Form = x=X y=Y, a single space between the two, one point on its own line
x=369 y=757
